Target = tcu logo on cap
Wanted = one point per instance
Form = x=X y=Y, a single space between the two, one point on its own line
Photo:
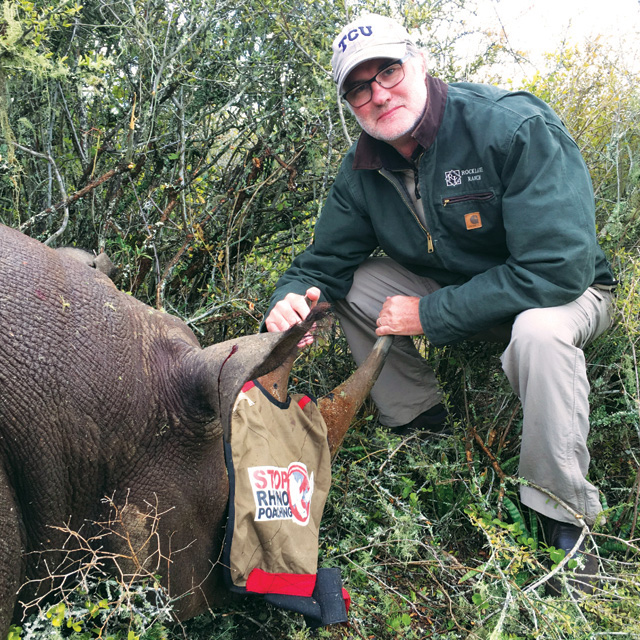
x=354 y=35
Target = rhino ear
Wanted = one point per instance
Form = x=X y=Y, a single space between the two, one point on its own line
x=232 y=363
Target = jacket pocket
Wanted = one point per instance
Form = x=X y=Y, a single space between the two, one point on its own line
x=468 y=197
x=471 y=224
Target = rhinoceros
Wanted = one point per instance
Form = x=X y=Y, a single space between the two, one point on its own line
x=103 y=396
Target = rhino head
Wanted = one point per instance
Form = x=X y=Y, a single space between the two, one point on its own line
x=102 y=397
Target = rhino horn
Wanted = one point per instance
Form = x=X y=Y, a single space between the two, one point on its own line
x=339 y=407
x=276 y=382
x=228 y=365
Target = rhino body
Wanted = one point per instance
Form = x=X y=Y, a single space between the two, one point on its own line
x=103 y=396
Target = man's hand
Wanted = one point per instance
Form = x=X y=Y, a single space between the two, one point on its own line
x=292 y=309
x=400 y=316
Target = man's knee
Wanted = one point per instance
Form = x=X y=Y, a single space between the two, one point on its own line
x=363 y=283
x=540 y=328
x=379 y=277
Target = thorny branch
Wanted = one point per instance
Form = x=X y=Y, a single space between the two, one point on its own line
x=83 y=555
x=63 y=192
x=67 y=201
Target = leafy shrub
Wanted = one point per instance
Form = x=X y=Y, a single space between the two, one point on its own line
x=102 y=608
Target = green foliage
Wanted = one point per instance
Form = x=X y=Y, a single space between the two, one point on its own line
x=102 y=608
x=203 y=137
x=25 y=40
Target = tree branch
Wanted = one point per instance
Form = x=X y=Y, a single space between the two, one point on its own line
x=122 y=168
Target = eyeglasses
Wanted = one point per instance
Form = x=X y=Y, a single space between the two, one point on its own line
x=388 y=77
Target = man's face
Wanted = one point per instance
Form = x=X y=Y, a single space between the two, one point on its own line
x=392 y=114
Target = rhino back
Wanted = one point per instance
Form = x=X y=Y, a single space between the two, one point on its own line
x=84 y=370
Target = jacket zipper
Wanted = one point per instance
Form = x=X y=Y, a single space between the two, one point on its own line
x=430 y=247
x=468 y=197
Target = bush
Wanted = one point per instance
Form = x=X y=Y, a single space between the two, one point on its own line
x=102 y=607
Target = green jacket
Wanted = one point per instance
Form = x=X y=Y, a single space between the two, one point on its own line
x=509 y=208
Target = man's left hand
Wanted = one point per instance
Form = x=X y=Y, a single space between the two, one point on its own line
x=400 y=316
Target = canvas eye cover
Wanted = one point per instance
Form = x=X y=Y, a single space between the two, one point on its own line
x=280 y=480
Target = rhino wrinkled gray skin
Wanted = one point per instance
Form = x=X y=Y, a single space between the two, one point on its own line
x=103 y=396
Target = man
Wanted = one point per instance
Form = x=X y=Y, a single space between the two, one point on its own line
x=484 y=208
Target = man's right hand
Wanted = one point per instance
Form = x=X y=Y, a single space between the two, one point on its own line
x=292 y=309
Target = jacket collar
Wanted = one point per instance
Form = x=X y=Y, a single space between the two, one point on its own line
x=375 y=154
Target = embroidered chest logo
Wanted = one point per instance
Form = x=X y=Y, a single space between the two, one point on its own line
x=453 y=178
x=456 y=177
x=282 y=493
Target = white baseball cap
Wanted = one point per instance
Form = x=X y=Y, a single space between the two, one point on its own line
x=367 y=37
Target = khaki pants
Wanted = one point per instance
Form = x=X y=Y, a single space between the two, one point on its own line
x=544 y=364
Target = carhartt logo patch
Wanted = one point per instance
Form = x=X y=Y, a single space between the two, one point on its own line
x=473 y=220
